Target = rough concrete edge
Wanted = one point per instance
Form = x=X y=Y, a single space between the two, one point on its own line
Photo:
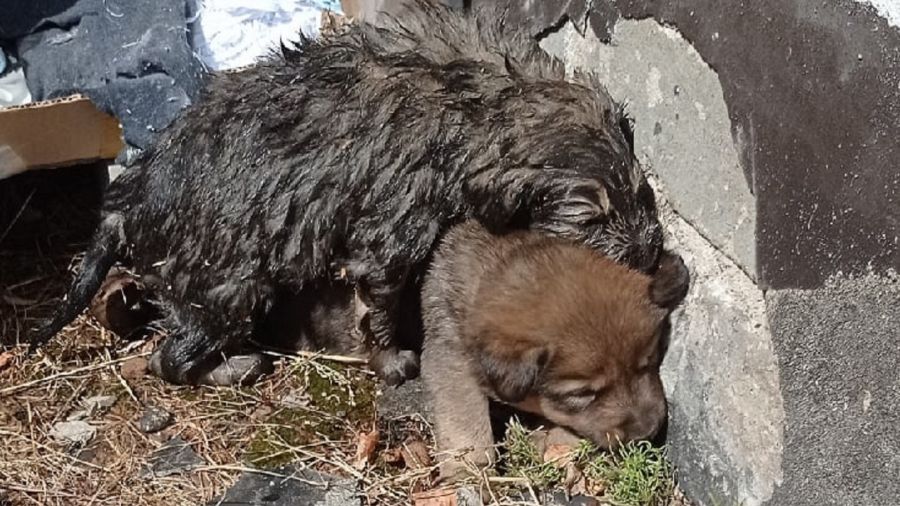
x=887 y=9
x=672 y=221
x=669 y=30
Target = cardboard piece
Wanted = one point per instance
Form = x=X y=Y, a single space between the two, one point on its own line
x=56 y=133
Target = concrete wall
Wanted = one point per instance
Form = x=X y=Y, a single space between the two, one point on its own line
x=771 y=130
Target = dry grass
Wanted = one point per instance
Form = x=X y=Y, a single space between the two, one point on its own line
x=282 y=419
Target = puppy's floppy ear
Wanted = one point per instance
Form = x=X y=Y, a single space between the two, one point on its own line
x=581 y=202
x=513 y=375
x=670 y=282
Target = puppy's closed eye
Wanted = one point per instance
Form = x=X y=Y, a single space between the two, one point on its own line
x=574 y=400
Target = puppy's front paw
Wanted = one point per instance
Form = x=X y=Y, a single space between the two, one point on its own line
x=394 y=367
x=453 y=471
x=474 y=464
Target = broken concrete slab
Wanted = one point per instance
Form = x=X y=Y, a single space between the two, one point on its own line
x=290 y=486
x=682 y=131
x=721 y=374
x=813 y=96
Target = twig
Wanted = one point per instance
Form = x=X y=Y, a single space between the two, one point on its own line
x=25 y=283
x=242 y=469
x=125 y=384
x=506 y=479
x=17 y=216
x=74 y=459
x=342 y=359
x=27 y=490
x=28 y=384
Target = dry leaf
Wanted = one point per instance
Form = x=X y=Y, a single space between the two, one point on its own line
x=446 y=497
x=365 y=447
x=574 y=482
x=135 y=368
x=415 y=453
x=560 y=455
x=561 y=436
x=152 y=343
x=392 y=456
x=261 y=412
x=331 y=22
x=5 y=359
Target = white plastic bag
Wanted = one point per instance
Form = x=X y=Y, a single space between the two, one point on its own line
x=235 y=33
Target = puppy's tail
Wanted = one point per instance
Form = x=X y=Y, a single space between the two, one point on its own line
x=98 y=260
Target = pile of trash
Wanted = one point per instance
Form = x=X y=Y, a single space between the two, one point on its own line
x=140 y=62
x=234 y=33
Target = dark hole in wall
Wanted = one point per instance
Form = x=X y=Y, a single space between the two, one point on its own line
x=46 y=220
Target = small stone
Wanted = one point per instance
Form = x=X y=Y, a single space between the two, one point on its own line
x=6 y=359
x=77 y=415
x=75 y=432
x=154 y=420
x=98 y=404
x=409 y=399
x=468 y=496
x=415 y=453
x=306 y=488
x=86 y=455
x=296 y=399
x=261 y=413
x=174 y=457
x=560 y=499
x=135 y=368
x=444 y=497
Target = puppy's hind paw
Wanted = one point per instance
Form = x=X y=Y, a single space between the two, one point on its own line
x=234 y=370
x=238 y=370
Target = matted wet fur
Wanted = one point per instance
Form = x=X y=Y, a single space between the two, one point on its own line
x=351 y=154
x=548 y=326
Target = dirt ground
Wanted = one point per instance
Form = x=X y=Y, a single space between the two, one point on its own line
x=74 y=426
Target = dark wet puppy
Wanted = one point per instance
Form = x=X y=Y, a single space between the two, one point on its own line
x=549 y=327
x=353 y=153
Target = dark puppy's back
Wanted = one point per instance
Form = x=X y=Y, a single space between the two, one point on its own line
x=358 y=151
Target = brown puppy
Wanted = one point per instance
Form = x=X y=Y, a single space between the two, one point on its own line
x=549 y=327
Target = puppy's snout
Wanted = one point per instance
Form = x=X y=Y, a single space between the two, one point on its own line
x=640 y=422
x=644 y=428
x=645 y=421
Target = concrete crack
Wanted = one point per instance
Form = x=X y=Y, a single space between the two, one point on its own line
x=585 y=19
x=553 y=28
x=666 y=206
x=581 y=24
